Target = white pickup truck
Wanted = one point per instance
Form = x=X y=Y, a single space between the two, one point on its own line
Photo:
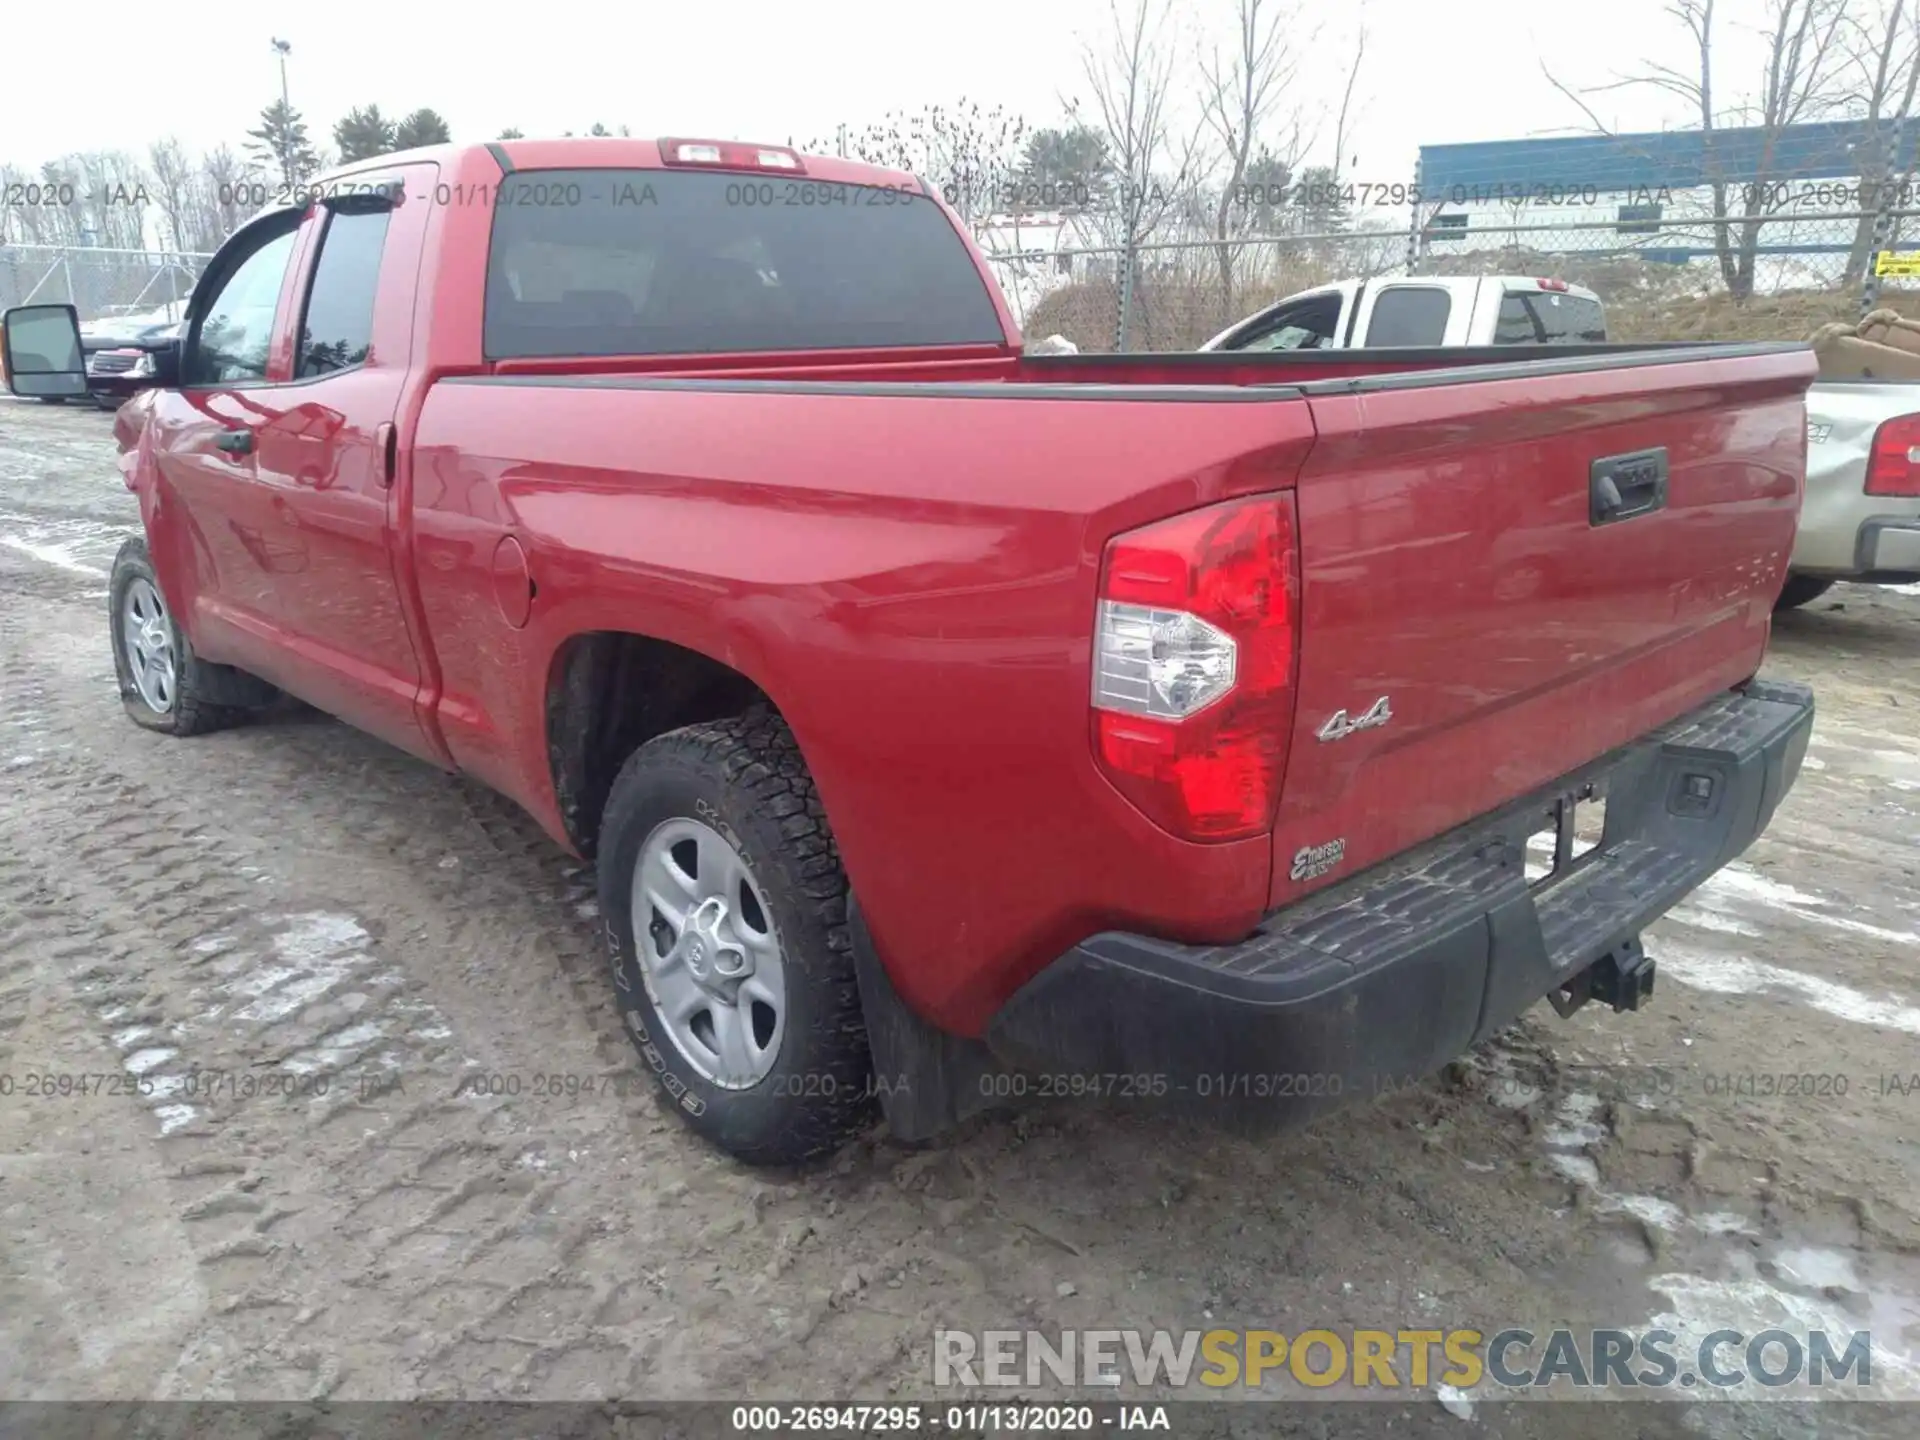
x=1421 y=311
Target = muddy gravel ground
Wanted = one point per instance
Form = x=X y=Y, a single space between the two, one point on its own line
x=488 y=1201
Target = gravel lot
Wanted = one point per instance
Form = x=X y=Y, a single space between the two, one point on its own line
x=295 y=900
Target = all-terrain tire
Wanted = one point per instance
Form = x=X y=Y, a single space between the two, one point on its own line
x=744 y=778
x=204 y=696
x=1800 y=590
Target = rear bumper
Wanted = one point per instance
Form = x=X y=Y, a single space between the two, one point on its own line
x=1386 y=978
x=1888 y=548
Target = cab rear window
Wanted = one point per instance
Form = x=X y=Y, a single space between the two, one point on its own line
x=652 y=262
x=1544 y=317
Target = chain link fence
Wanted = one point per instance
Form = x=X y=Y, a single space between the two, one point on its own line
x=1780 y=276
x=1660 y=279
x=99 y=283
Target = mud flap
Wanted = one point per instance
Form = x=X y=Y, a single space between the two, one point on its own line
x=928 y=1080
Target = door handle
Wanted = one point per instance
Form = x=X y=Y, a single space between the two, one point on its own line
x=1619 y=487
x=235 y=442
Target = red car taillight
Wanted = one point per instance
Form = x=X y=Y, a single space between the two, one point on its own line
x=1894 y=466
x=1193 y=666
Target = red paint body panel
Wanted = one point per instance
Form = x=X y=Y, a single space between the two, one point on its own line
x=909 y=569
x=1450 y=564
x=921 y=619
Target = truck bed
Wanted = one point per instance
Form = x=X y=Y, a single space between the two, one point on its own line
x=908 y=567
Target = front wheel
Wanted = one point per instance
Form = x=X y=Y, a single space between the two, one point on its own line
x=726 y=913
x=163 y=684
x=1801 y=590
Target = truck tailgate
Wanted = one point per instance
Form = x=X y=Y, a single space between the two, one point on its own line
x=1462 y=589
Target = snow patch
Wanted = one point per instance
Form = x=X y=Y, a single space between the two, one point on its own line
x=1739 y=886
x=57 y=555
x=1738 y=975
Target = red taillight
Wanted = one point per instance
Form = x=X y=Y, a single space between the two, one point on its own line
x=1894 y=467
x=1193 y=666
x=1551 y=284
x=730 y=155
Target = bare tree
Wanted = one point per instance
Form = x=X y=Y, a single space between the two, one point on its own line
x=230 y=191
x=1883 y=51
x=1130 y=76
x=1238 y=99
x=971 y=155
x=173 y=185
x=1799 y=82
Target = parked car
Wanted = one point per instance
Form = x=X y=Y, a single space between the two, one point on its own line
x=1424 y=310
x=1860 y=521
x=938 y=715
x=120 y=350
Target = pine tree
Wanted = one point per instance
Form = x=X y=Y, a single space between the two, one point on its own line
x=422 y=127
x=281 y=144
x=363 y=133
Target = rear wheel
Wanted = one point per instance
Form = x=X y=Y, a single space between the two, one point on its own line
x=726 y=911
x=163 y=684
x=1799 y=590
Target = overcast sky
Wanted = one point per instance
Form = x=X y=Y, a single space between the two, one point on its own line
x=765 y=69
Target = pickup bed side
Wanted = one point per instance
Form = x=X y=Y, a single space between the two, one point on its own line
x=918 y=611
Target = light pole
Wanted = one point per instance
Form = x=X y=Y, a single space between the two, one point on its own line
x=282 y=48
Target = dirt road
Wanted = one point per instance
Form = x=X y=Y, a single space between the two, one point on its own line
x=347 y=1111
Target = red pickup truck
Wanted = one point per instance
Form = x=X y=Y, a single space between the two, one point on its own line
x=948 y=723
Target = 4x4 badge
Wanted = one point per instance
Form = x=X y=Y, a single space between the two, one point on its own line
x=1340 y=724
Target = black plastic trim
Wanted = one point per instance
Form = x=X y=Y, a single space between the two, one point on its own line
x=924 y=389
x=1380 y=980
x=499 y=153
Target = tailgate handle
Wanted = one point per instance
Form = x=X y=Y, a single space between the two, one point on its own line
x=1620 y=487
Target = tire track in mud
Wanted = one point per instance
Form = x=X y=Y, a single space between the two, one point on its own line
x=559 y=1288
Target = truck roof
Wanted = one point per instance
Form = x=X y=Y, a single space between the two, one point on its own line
x=619 y=152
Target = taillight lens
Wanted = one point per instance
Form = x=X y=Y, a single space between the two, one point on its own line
x=1894 y=468
x=1193 y=666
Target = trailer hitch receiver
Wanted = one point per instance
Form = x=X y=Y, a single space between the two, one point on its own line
x=1622 y=978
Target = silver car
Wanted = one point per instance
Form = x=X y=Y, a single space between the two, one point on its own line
x=1860 y=520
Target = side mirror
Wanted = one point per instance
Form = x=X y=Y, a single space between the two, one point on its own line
x=40 y=348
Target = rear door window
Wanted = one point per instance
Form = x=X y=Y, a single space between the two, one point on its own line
x=1544 y=317
x=663 y=262
x=1410 y=315
x=337 y=328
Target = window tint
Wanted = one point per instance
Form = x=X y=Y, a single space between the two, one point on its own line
x=1409 y=315
x=1544 y=318
x=1309 y=325
x=338 y=325
x=649 y=262
x=238 y=324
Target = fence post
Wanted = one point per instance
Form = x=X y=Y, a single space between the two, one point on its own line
x=1882 y=226
x=1413 y=225
x=1126 y=298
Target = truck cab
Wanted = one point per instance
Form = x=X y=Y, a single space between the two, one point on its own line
x=1423 y=311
